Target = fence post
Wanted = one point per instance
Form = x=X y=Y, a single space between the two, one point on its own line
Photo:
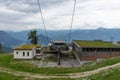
x=110 y=53
x=96 y=55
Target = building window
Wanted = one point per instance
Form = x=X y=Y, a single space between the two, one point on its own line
x=16 y=52
x=23 y=53
x=38 y=51
x=27 y=53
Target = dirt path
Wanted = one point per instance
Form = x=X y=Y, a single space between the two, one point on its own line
x=72 y=75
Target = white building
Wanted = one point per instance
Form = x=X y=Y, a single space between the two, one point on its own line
x=28 y=51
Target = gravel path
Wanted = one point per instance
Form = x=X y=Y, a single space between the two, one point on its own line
x=71 y=75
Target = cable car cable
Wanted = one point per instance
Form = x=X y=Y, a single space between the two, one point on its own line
x=69 y=35
x=40 y=10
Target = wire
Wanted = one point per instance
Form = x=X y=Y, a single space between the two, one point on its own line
x=40 y=10
x=72 y=21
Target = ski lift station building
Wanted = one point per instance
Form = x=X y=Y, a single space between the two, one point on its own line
x=92 y=50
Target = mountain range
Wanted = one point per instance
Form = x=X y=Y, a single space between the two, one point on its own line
x=8 y=41
x=90 y=34
x=12 y=39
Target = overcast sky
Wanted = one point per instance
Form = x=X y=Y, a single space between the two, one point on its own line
x=18 y=15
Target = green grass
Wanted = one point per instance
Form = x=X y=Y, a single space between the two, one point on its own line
x=21 y=65
x=7 y=61
x=85 y=43
x=111 y=74
x=6 y=76
x=3 y=53
x=29 y=46
x=56 y=79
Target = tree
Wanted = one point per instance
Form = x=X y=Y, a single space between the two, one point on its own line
x=32 y=36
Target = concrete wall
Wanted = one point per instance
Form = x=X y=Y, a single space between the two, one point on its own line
x=18 y=54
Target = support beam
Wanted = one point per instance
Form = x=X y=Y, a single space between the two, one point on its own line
x=59 y=56
x=77 y=57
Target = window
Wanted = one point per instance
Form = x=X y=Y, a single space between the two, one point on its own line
x=38 y=51
x=23 y=53
x=27 y=53
x=16 y=52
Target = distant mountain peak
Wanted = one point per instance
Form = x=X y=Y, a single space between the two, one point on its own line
x=8 y=40
x=101 y=28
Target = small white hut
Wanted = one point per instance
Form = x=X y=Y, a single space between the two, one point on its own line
x=28 y=51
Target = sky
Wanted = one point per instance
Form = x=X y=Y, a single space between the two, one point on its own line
x=19 y=15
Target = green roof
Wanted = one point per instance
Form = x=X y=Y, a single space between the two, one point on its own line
x=101 y=44
x=28 y=46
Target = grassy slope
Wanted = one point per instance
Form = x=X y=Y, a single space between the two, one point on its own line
x=20 y=65
x=56 y=79
x=6 y=76
x=111 y=74
x=7 y=61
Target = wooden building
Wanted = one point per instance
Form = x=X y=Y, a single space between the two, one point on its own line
x=92 y=50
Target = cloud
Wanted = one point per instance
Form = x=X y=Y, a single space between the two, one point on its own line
x=90 y=14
